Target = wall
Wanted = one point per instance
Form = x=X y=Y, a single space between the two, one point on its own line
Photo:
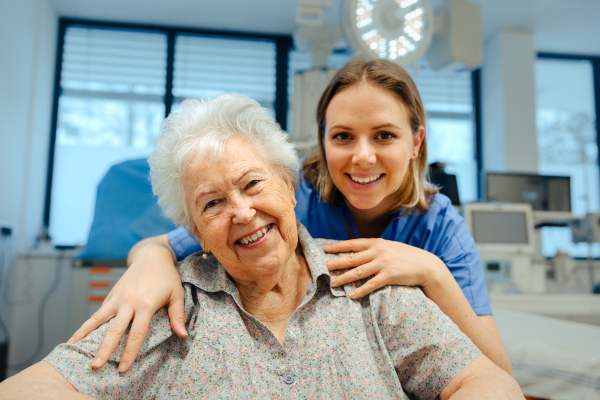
x=28 y=40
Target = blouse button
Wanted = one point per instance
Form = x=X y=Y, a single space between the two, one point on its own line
x=289 y=379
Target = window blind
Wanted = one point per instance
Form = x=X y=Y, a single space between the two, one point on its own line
x=208 y=67
x=116 y=62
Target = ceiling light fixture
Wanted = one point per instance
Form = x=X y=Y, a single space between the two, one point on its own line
x=397 y=30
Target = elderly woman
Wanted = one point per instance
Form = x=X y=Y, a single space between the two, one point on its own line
x=271 y=324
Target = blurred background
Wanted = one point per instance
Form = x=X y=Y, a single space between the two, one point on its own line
x=511 y=89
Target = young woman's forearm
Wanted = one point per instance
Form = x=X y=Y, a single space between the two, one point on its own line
x=441 y=287
x=150 y=282
x=159 y=246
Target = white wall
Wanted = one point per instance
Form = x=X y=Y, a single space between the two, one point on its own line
x=28 y=40
x=508 y=103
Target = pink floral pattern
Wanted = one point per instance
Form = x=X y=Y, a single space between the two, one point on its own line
x=393 y=344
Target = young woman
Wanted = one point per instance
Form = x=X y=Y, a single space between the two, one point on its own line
x=365 y=185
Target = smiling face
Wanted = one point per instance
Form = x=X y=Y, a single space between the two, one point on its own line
x=368 y=145
x=243 y=211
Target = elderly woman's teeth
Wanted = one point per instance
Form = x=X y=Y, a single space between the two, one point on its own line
x=255 y=236
x=365 y=180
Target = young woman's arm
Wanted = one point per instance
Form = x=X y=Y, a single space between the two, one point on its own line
x=394 y=263
x=150 y=282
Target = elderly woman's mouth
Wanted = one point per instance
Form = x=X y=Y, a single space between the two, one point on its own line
x=256 y=236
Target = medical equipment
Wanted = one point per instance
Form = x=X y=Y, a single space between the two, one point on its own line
x=504 y=235
x=587 y=229
x=549 y=196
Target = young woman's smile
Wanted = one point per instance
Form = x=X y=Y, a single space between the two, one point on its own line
x=368 y=145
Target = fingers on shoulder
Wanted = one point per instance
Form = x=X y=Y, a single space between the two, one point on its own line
x=369 y=286
x=347 y=246
x=100 y=317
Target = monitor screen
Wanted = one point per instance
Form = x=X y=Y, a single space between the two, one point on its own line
x=447 y=184
x=503 y=227
x=543 y=192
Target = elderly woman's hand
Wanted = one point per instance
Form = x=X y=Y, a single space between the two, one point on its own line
x=151 y=282
x=388 y=262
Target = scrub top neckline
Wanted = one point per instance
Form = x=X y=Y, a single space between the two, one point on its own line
x=350 y=221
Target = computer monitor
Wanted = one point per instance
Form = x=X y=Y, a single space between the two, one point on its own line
x=447 y=184
x=501 y=227
x=543 y=192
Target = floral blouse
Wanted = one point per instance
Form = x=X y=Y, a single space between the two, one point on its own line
x=392 y=344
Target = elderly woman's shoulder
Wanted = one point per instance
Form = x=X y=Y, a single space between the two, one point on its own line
x=324 y=242
x=195 y=268
x=411 y=293
x=321 y=243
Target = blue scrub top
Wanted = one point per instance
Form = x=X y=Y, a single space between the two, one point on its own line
x=441 y=231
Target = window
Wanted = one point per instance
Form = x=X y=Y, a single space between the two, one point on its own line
x=567 y=141
x=448 y=102
x=110 y=109
x=116 y=82
x=209 y=67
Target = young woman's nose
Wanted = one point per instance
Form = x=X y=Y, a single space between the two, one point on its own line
x=364 y=153
x=242 y=210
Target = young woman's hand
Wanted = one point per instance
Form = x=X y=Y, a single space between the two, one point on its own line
x=151 y=282
x=386 y=262
x=394 y=263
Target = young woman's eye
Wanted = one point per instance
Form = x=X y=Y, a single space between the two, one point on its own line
x=385 y=135
x=211 y=204
x=342 y=136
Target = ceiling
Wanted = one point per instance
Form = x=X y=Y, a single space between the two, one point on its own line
x=559 y=26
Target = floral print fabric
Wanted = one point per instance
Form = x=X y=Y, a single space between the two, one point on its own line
x=392 y=344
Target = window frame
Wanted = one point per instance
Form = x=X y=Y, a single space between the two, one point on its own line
x=476 y=82
x=283 y=44
x=595 y=62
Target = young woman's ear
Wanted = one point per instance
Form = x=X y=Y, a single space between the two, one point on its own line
x=417 y=141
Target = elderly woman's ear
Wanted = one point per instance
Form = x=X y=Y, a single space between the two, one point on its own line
x=202 y=244
x=290 y=186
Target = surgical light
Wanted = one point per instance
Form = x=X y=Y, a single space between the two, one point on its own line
x=397 y=30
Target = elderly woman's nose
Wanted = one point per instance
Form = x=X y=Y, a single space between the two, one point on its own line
x=364 y=153
x=242 y=210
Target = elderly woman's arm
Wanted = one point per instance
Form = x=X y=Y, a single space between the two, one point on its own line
x=482 y=379
x=40 y=381
x=150 y=282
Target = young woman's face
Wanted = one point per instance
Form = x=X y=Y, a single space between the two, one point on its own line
x=368 y=145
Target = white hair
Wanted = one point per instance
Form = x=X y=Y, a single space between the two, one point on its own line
x=200 y=128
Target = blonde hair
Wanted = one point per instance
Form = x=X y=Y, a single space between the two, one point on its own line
x=414 y=192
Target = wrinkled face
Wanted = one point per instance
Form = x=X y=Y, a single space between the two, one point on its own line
x=368 y=145
x=243 y=211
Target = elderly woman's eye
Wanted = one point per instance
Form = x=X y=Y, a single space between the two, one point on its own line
x=251 y=183
x=211 y=203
